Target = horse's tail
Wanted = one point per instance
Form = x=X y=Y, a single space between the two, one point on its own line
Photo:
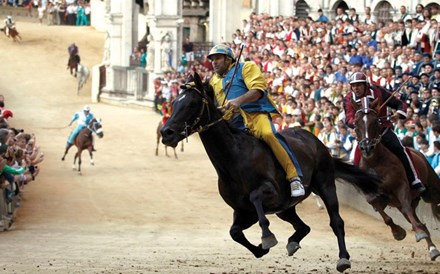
x=362 y=180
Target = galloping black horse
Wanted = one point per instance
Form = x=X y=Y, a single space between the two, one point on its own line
x=252 y=181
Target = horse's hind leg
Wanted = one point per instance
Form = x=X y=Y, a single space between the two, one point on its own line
x=327 y=192
x=301 y=229
x=175 y=154
x=268 y=239
x=421 y=230
x=181 y=147
x=65 y=153
x=242 y=221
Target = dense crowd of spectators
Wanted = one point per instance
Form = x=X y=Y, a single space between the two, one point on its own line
x=56 y=12
x=308 y=64
x=19 y=160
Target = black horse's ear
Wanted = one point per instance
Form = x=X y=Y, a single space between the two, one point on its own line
x=197 y=79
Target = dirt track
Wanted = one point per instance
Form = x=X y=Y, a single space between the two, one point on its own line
x=134 y=212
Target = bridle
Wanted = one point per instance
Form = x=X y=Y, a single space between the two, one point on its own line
x=93 y=127
x=365 y=109
x=196 y=126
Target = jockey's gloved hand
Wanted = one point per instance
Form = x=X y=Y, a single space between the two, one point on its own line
x=395 y=117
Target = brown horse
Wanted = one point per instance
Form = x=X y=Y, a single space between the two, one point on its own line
x=73 y=62
x=395 y=191
x=13 y=33
x=84 y=140
x=159 y=136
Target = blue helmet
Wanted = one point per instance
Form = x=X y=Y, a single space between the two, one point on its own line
x=221 y=49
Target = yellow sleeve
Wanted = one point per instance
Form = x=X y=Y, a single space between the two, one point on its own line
x=253 y=77
x=217 y=85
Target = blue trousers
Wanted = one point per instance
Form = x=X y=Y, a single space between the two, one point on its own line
x=74 y=133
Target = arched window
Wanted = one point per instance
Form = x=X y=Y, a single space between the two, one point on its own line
x=383 y=11
x=301 y=9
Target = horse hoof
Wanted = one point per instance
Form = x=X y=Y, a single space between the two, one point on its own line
x=421 y=235
x=260 y=252
x=92 y=164
x=343 y=264
x=434 y=253
x=400 y=234
x=292 y=247
x=268 y=242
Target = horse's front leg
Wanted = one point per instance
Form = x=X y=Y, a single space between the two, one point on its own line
x=79 y=161
x=421 y=230
x=379 y=205
x=301 y=229
x=268 y=239
x=166 y=151
x=91 y=156
x=242 y=221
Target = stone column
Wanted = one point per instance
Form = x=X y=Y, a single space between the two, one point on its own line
x=164 y=19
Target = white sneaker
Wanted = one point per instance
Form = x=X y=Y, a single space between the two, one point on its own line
x=296 y=187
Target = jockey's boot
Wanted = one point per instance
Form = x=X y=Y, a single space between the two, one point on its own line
x=296 y=187
x=417 y=185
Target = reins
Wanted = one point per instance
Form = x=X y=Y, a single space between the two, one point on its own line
x=193 y=127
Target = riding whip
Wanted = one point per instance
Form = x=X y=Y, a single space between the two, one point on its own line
x=54 y=127
x=394 y=92
x=237 y=60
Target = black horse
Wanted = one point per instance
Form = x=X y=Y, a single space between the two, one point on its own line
x=252 y=181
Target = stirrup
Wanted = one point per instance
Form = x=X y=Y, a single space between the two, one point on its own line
x=417 y=185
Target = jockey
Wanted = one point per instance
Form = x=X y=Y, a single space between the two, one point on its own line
x=72 y=49
x=359 y=88
x=73 y=52
x=248 y=96
x=84 y=117
x=9 y=24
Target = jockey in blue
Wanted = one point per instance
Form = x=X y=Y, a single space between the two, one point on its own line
x=84 y=117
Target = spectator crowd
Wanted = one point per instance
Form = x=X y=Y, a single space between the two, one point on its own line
x=56 y=12
x=19 y=160
x=308 y=63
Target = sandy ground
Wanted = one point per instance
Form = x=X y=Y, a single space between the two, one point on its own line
x=134 y=212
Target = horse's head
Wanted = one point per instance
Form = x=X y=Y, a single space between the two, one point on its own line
x=193 y=109
x=368 y=132
x=95 y=126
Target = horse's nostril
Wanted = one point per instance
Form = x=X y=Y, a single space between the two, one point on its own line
x=166 y=131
